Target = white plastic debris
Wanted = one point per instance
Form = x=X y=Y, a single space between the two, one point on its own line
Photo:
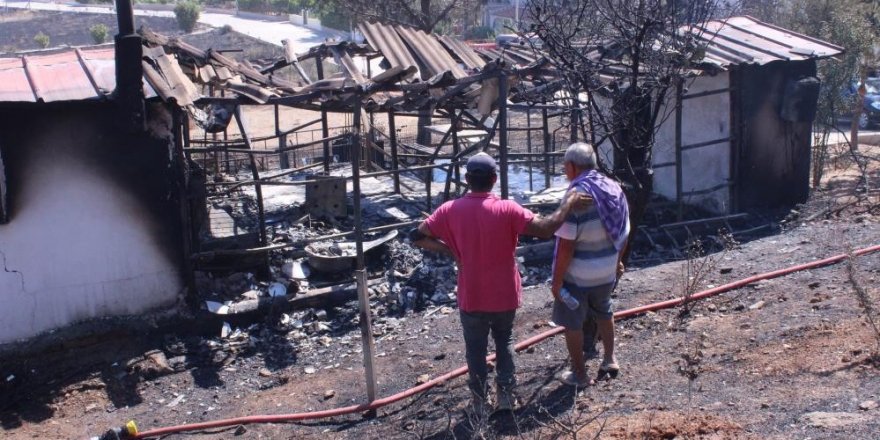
x=296 y=270
x=226 y=330
x=277 y=289
x=394 y=213
x=10 y=378
x=251 y=294
x=176 y=401
x=218 y=308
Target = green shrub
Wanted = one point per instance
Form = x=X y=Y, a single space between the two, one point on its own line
x=99 y=33
x=479 y=33
x=187 y=14
x=335 y=19
x=42 y=40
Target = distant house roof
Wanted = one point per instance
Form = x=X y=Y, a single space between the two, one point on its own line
x=70 y=74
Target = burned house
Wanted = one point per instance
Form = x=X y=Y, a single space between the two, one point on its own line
x=740 y=137
x=739 y=134
x=91 y=223
x=118 y=222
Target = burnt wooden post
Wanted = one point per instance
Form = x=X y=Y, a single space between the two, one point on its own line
x=456 y=150
x=183 y=193
x=282 y=142
x=679 y=187
x=225 y=137
x=361 y=272
x=392 y=134
x=529 y=146
x=258 y=187
x=325 y=129
x=502 y=135
x=546 y=131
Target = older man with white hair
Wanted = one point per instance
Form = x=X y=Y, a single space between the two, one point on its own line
x=587 y=262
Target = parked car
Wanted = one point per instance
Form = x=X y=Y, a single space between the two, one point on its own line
x=504 y=40
x=870 y=116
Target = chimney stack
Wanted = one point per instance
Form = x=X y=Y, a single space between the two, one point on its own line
x=129 y=92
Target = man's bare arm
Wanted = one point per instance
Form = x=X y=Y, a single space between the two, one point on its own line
x=545 y=226
x=620 y=267
x=423 y=238
x=561 y=261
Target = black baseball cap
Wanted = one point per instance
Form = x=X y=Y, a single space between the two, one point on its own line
x=481 y=164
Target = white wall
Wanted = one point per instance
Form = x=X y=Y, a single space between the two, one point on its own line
x=77 y=247
x=703 y=119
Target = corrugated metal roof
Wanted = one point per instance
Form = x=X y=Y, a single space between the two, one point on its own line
x=14 y=84
x=66 y=75
x=745 y=40
x=737 y=40
x=464 y=52
x=386 y=40
x=429 y=51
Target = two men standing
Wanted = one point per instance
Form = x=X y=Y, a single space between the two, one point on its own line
x=481 y=231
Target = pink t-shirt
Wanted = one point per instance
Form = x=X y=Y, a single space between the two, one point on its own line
x=482 y=231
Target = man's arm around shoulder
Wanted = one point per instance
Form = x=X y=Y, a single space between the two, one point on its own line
x=544 y=226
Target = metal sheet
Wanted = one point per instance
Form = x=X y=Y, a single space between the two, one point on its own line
x=181 y=88
x=101 y=64
x=746 y=40
x=464 y=52
x=14 y=85
x=349 y=68
x=429 y=51
x=68 y=75
x=58 y=77
x=386 y=40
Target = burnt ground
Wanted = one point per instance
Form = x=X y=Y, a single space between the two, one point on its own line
x=762 y=357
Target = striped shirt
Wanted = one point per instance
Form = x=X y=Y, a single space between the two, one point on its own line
x=595 y=259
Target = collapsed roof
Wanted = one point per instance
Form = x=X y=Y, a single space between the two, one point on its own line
x=421 y=70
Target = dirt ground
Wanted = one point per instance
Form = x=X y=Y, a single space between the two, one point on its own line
x=763 y=357
x=791 y=357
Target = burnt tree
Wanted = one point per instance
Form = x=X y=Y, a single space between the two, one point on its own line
x=622 y=62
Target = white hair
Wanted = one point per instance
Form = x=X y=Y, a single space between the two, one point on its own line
x=581 y=155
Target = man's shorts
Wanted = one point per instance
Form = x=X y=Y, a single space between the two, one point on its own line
x=594 y=301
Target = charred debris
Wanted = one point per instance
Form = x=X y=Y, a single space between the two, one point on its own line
x=292 y=223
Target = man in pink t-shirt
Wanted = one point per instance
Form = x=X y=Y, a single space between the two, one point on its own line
x=481 y=231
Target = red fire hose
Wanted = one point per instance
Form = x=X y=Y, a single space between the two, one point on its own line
x=279 y=418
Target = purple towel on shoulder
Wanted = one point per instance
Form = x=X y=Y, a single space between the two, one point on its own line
x=610 y=202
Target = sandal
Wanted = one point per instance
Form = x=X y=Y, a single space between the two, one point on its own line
x=570 y=379
x=610 y=369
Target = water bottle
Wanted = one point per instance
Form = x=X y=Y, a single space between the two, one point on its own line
x=568 y=300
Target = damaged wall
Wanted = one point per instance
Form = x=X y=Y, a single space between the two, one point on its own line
x=93 y=229
x=704 y=119
x=774 y=153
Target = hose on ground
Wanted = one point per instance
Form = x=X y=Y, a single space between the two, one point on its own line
x=282 y=418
